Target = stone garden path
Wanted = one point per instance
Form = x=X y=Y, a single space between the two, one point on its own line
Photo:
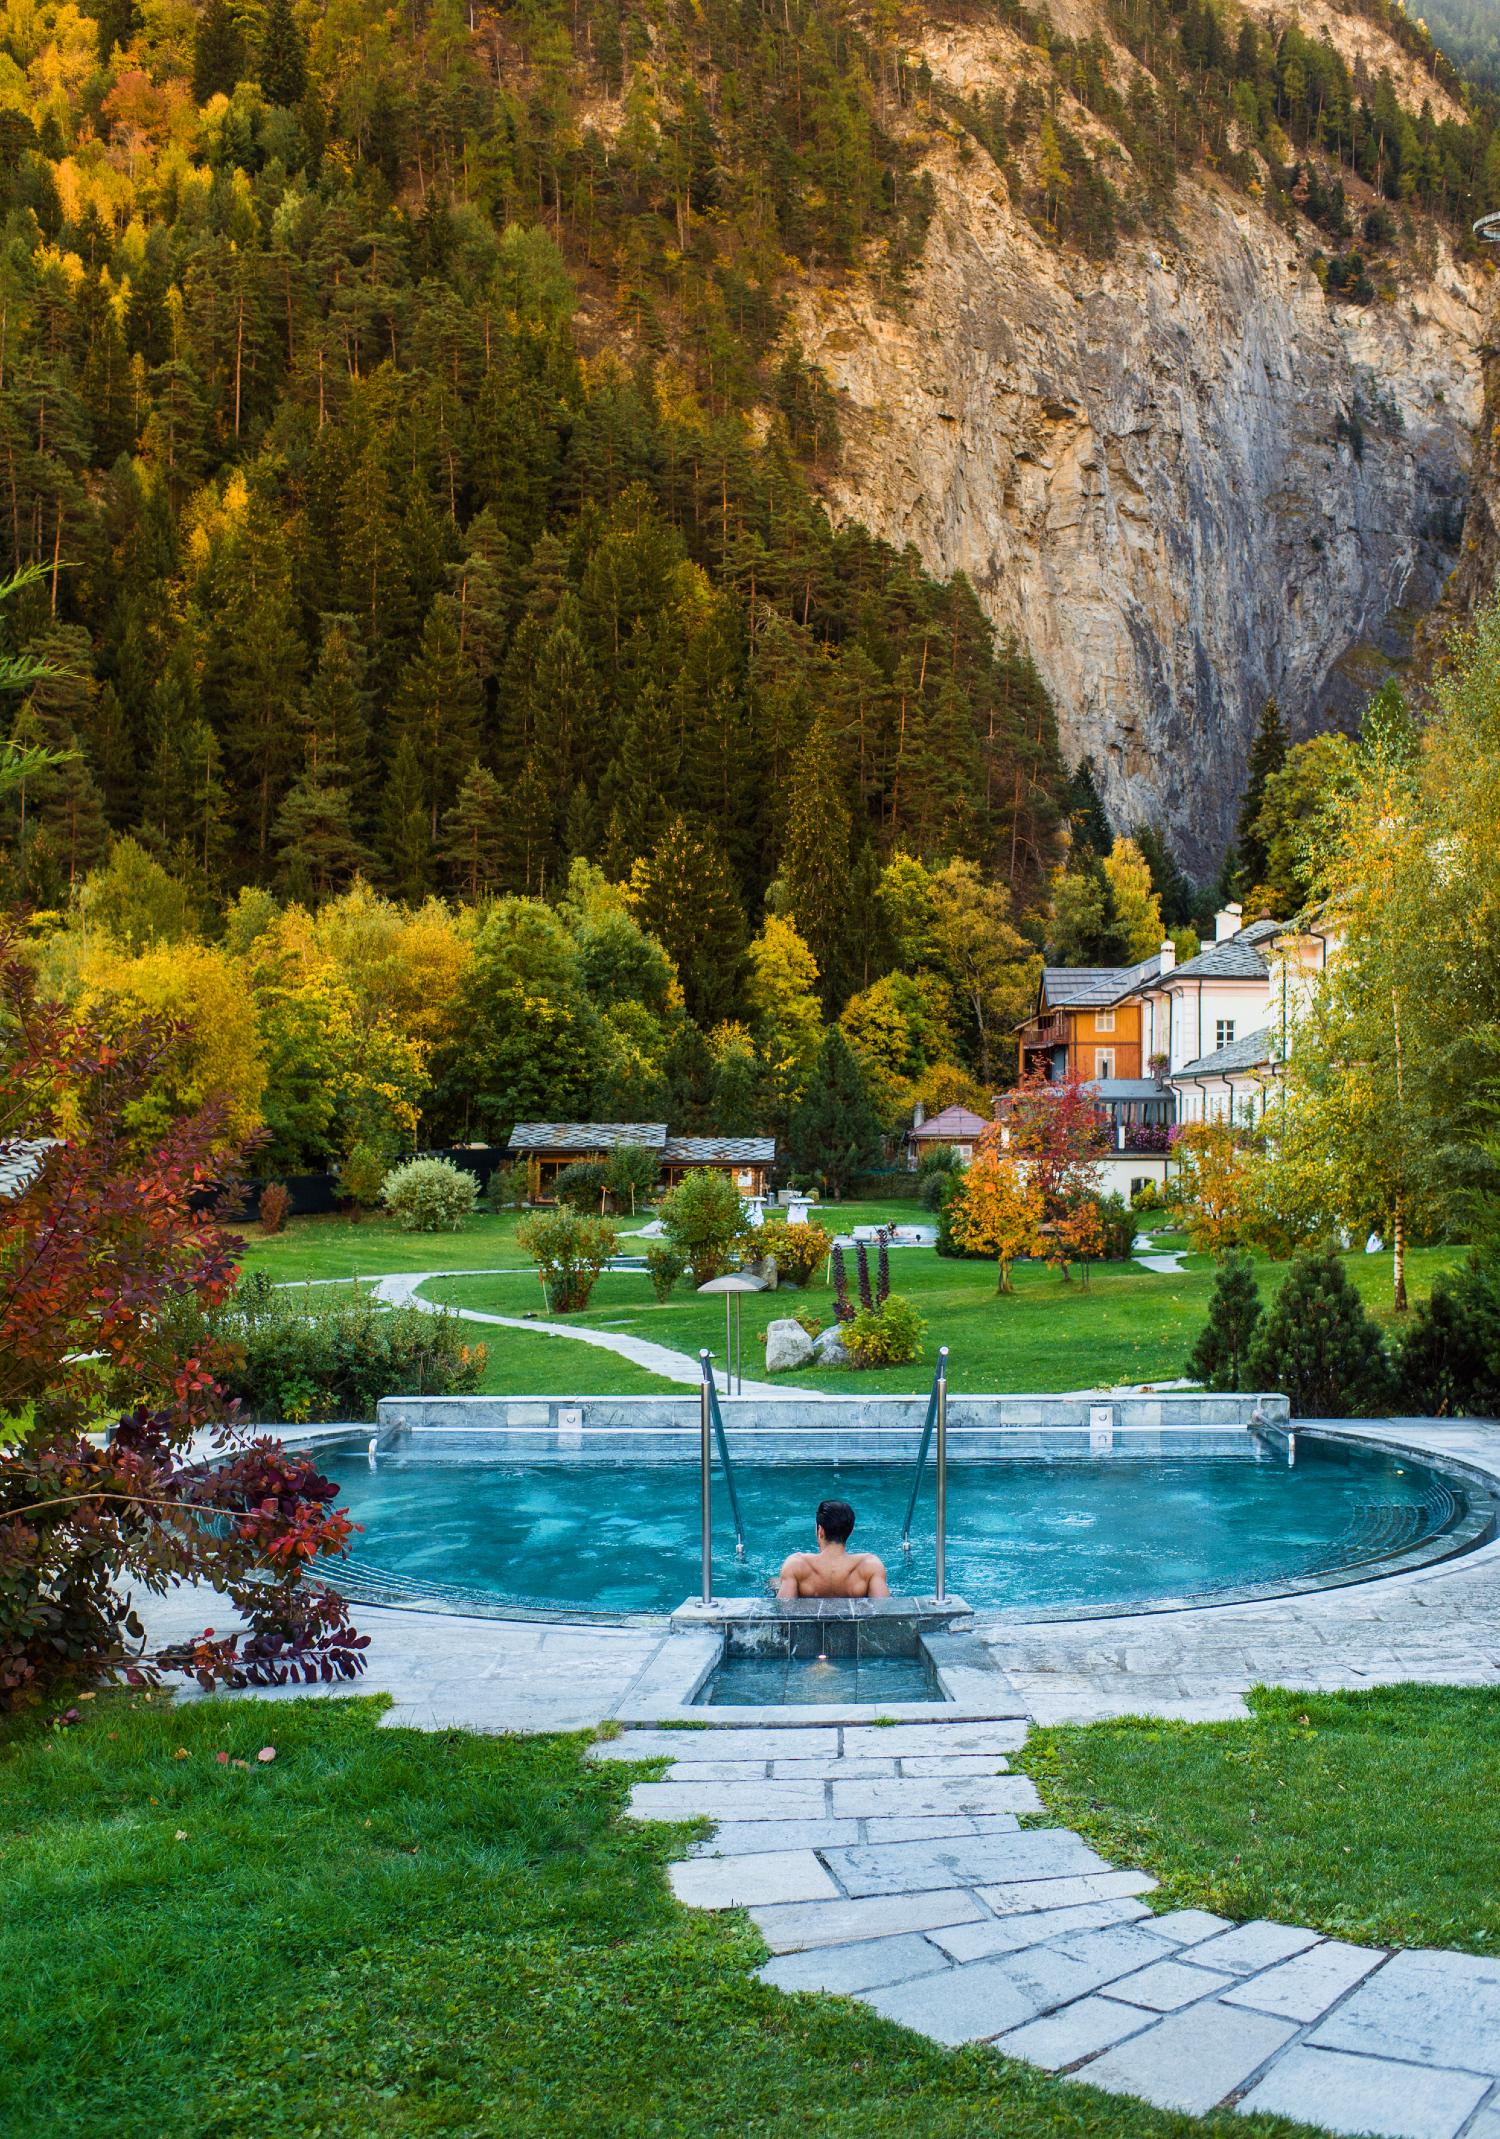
x=888 y=1863
x=403 y=1290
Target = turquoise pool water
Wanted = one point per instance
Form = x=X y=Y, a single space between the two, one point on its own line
x=623 y=1537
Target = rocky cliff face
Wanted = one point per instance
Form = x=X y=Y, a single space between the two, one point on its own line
x=1183 y=479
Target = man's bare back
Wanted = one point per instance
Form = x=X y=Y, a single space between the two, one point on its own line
x=833 y=1570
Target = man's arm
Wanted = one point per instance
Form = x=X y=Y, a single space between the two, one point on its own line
x=875 y=1571
x=792 y=1570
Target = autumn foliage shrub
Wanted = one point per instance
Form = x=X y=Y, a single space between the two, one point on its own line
x=886 y=1336
x=800 y=1250
x=430 y=1196
x=109 y=1236
x=664 y=1266
x=705 y=1222
x=275 y=1207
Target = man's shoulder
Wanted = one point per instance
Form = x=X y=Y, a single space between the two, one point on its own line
x=796 y=1559
x=872 y=1563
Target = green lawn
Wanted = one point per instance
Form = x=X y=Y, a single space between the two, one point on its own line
x=1372 y=1816
x=389 y=1933
x=1129 y=1325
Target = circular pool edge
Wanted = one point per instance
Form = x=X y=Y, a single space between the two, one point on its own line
x=1473 y=1531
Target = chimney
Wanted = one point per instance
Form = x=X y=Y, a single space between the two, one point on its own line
x=1227 y=921
x=1168 y=955
x=918 y=1115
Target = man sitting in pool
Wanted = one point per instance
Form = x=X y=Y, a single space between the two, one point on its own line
x=833 y=1570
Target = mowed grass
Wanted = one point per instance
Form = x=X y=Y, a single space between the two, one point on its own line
x=390 y=1933
x=1128 y=1325
x=1372 y=1816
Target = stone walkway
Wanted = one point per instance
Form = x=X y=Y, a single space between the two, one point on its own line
x=888 y=1863
x=404 y=1290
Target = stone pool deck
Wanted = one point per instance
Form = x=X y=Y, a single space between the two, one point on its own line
x=887 y=1861
x=888 y=1864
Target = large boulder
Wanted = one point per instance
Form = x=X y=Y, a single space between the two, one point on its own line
x=829 y=1348
x=788 y=1347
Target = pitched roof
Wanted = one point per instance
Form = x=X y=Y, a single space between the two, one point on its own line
x=720 y=1150
x=586 y=1135
x=1095 y=987
x=1236 y=958
x=21 y=1161
x=954 y=1121
x=1248 y=1053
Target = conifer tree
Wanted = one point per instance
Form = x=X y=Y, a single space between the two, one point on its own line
x=835 y=1131
x=683 y=892
x=815 y=862
x=218 y=52
x=1318 y=1346
x=317 y=850
x=1086 y=927
x=1221 y=1357
x=474 y=836
x=283 y=56
x=1087 y=818
x=1168 y=880
x=437 y=708
x=335 y=711
x=1267 y=756
x=406 y=823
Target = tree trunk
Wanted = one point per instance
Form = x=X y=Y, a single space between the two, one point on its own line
x=1004 y=1284
x=1398 y=1257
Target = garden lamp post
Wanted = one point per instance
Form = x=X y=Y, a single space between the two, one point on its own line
x=732 y=1286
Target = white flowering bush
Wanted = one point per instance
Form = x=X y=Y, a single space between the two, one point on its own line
x=429 y=1195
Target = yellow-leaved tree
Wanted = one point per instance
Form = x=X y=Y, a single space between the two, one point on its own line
x=996 y=1208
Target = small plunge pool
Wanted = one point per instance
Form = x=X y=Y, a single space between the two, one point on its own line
x=468 y=1532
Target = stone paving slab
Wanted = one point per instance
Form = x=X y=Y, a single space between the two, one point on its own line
x=931 y=1766
x=1305 y=1986
x=1167 y=1985
x=1365 y=2094
x=909 y=1867
x=736 y=1838
x=844 y=1969
x=747 y=1882
x=1429 y=2008
x=906 y=1739
x=983 y=1998
x=1032 y=1927
x=969 y=1793
x=1012 y=1894
x=1253 y=1946
x=1076 y=2031
x=1191 y=2060
x=764 y=1800
x=1187 y=1927
x=798 y=1925
x=863 y=1769
x=821 y=1743
x=758 y=1771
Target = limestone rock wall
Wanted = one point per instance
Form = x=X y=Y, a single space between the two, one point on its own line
x=1182 y=479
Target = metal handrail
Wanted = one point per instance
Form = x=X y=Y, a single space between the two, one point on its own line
x=939 y=1379
x=712 y=1417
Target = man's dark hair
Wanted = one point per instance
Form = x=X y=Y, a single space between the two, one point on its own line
x=835 y=1520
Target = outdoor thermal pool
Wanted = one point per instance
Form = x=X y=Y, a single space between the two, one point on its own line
x=475 y=1532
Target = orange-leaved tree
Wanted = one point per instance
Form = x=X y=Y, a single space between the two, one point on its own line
x=997 y=1206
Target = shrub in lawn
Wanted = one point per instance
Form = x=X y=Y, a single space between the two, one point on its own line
x=705 y=1222
x=1220 y=1358
x=664 y=1266
x=800 y=1250
x=362 y=1175
x=1448 y=1362
x=581 y=1186
x=1117 y=1224
x=1318 y=1345
x=332 y=1353
x=1146 y=1198
x=630 y=1175
x=886 y=1336
x=570 y=1250
x=508 y=1187
x=429 y=1196
x=275 y=1207
x=948 y=1227
x=935 y=1169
